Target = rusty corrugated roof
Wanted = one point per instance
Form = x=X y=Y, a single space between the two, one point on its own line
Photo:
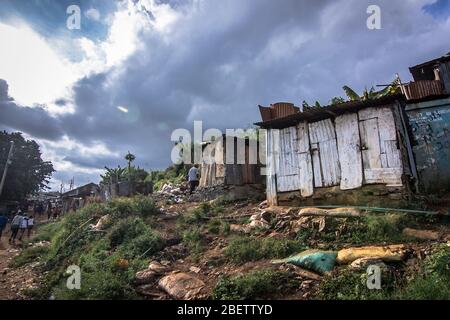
x=320 y=113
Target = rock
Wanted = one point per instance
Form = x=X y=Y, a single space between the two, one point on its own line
x=157 y=267
x=149 y=291
x=165 y=262
x=195 y=269
x=363 y=263
x=258 y=224
x=263 y=205
x=393 y=253
x=338 y=212
x=236 y=228
x=145 y=276
x=182 y=286
x=255 y=217
x=267 y=215
x=421 y=234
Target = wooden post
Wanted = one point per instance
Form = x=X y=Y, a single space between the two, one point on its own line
x=271 y=189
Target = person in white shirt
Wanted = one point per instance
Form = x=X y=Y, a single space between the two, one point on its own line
x=30 y=225
x=23 y=226
x=193 y=178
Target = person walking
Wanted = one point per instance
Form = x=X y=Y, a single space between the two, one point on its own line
x=30 y=225
x=49 y=210
x=15 y=225
x=193 y=178
x=23 y=226
x=3 y=222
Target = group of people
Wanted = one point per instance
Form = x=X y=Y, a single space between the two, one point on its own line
x=21 y=225
x=53 y=211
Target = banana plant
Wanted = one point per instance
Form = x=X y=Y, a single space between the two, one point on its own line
x=114 y=175
x=371 y=94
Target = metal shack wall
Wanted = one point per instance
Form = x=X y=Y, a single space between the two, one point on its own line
x=430 y=125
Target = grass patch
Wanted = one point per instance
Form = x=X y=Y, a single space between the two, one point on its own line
x=243 y=249
x=217 y=226
x=108 y=259
x=254 y=285
x=193 y=240
x=28 y=255
x=431 y=282
x=368 y=229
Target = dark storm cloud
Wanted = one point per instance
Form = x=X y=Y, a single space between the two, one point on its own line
x=223 y=58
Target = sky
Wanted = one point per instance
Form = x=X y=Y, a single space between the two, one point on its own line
x=138 y=69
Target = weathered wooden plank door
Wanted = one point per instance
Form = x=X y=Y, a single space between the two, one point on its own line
x=348 y=142
x=271 y=166
x=380 y=154
x=288 y=173
x=324 y=153
x=305 y=162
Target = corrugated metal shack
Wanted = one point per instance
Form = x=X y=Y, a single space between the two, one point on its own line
x=329 y=152
x=77 y=198
x=430 y=125
x=242 y=169
x=353 y=153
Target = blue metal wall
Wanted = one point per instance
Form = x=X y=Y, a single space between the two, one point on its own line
x=430 y=124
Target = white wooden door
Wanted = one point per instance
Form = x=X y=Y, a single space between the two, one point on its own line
x=288 y=171
x=348 y=142
x=305 y=162
x=380 y=155
x=325 y=157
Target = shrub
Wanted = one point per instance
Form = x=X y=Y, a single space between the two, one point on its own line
x=138 y=205
x=243 y=249
x=216 y=226
x=108 y=260
x=46 y=232
x=193 y=241
x=256 y=284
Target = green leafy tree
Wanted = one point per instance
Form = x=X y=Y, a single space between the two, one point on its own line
x=113 y=175
x=28 y=173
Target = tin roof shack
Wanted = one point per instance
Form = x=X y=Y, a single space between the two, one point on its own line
x=77 y=198
x=428 y=113
x=239 y=171
x=430 y=78
x=349 y=153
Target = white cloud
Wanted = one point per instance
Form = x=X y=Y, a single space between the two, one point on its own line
x=93 y=14
x=34 y=71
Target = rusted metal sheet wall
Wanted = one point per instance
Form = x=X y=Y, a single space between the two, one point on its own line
x=430 y=124
x=423 y=88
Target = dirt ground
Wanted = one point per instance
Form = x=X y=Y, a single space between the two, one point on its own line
x=14 y=280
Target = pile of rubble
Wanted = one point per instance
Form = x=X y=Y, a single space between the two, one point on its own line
x=173 y=193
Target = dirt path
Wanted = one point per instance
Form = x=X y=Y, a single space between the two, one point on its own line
x=13 y=280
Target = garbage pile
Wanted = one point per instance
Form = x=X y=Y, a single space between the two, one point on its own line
x=173 y=193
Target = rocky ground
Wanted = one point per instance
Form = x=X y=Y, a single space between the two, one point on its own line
x=198 y=233
x=14 y=281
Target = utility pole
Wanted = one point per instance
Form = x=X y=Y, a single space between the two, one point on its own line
x=8 y=162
